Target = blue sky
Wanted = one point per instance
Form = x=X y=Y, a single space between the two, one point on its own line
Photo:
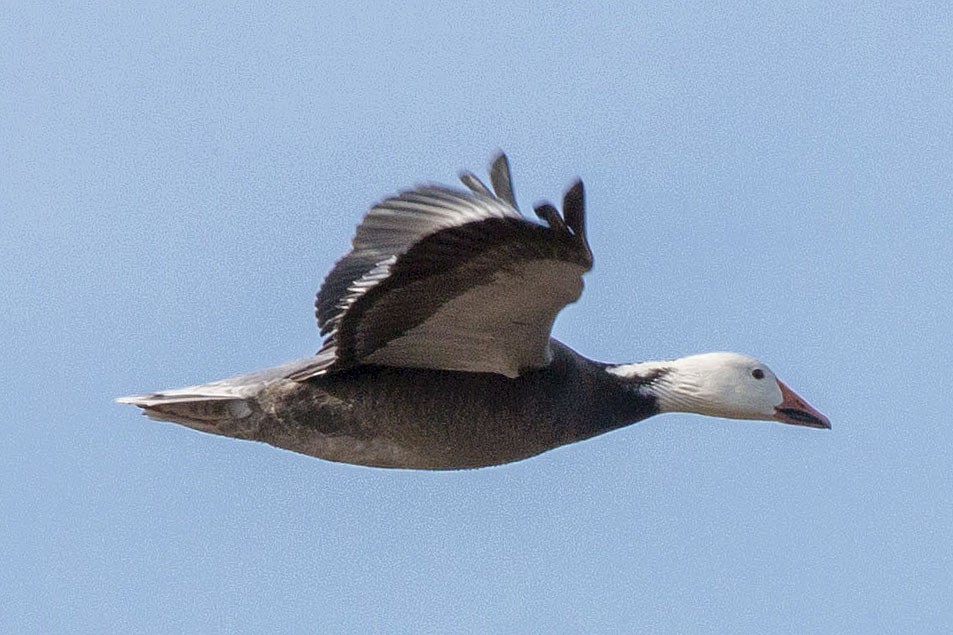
x=175 y=182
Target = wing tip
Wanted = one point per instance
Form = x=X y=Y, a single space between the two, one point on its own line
x=572 y=222
x=574 y=208
x=502 y=179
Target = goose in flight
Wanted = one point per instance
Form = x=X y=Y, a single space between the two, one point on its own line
x=437 y=351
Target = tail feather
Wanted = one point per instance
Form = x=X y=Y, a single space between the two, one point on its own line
x=206 y=407
x=219 y=406
x=190 y=408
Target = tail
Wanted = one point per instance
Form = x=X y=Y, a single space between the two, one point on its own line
x=224 y=407
x=207 y=408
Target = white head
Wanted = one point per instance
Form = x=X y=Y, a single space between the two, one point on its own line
x=726 y=385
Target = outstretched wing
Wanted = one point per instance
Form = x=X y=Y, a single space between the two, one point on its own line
x=453 y=280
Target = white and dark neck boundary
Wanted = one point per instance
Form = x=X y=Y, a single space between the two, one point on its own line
x=663 y=380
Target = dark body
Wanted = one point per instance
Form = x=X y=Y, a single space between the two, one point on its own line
x=428 y=419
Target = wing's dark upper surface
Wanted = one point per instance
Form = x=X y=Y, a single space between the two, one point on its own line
x=453 y=280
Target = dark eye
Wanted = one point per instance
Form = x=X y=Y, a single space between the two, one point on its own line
x=757 y=373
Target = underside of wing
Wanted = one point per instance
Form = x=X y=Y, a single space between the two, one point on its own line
x=453 y=280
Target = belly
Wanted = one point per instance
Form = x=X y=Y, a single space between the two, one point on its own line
x=407 y=418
